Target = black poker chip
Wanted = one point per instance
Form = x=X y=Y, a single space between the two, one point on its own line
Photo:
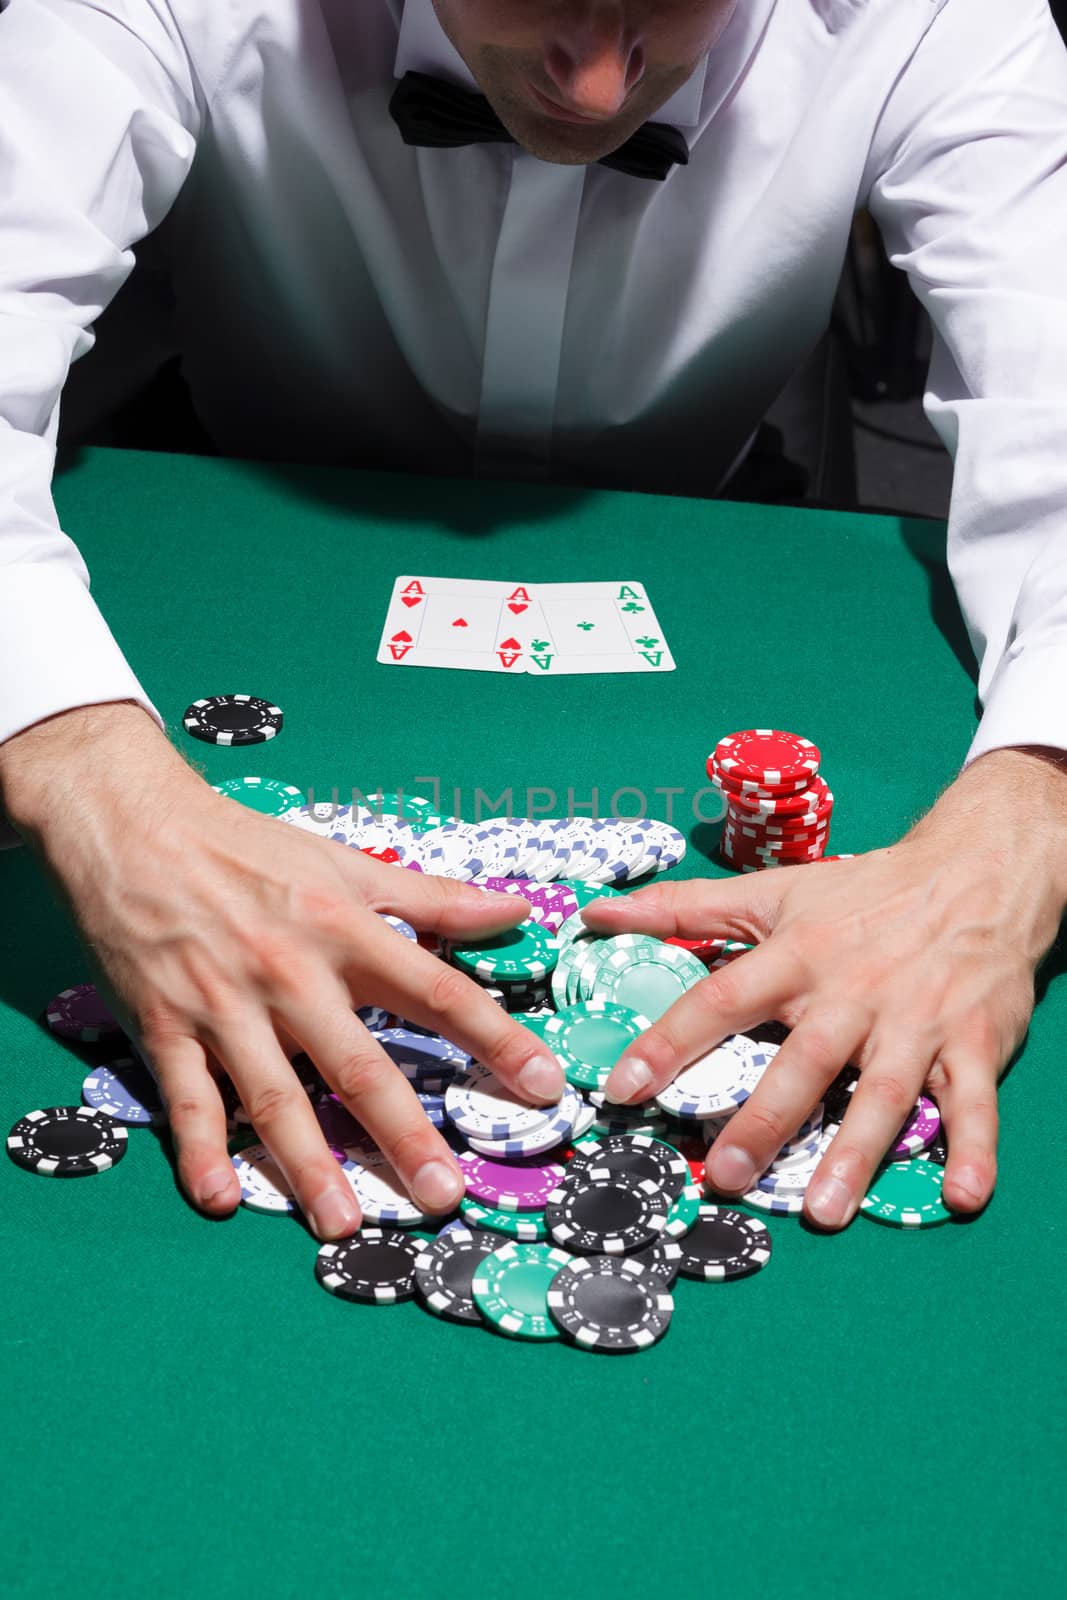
x=376 y=1266
x=610 y=1303
x=663 y=1259
x=938 y=1151
x=67 y=1142
x=636 y=1153
x=603 y=1212
x=233 y=719
x=445 y=1269
x=838 y=1096
x=724 y=1244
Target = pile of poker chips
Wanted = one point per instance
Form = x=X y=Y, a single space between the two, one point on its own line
x=778 y=809
x=539 y=851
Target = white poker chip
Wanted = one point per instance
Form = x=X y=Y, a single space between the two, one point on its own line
x=719 y=1082
x=378 y=1188
x=264 y=1186
x=481 y=1107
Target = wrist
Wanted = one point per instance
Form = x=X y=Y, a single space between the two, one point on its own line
x=103 y=751
x=1008 y=808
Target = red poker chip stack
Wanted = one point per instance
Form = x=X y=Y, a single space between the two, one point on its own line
x=778 y=809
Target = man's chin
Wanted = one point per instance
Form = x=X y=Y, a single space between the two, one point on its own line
x=566 y=144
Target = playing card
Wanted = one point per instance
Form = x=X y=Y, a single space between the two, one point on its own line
x=546 y=629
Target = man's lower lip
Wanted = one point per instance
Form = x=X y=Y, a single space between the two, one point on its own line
x=552 y=110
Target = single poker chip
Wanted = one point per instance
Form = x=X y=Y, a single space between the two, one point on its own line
x=413 y=809
x=636 y=1154
x=907 y=1195
x=919 y=1132
x=81 y=1014
x=648 y=982
x=509 y=1186
x=587 y=1039
x=526 y=952
x=605 y=1212
x=422 y=1055
x=434 y=1107
x=375 y=1266
x=585 y=892
x=724 y=1244
x=599 y=952
x=233 y=719
x=445 y=1269
x=378 y=1188
x=510 y=1289
x=67 y=1142
x=603 y=1303
x=663 y=1259
x=527 y=1225
x=584 y=1121
x=719 y=1081
x=264 y=1186
x=938 y=1150
x=127 y=1091
x=685 y=1209
x=767 y=755
x=269 y=796
x=398 y=924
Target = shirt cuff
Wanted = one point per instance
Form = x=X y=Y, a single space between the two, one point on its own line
x=1025 y=704
x=56 y=652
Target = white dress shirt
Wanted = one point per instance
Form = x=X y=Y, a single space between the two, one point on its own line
x=342 y=297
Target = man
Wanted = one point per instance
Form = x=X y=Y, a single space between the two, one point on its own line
x=522 y=309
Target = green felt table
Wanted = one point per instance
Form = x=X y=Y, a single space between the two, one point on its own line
x=183 y=1409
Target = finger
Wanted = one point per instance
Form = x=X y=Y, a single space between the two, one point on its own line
x=883 y=1099
x=747 y=992
x=738 y=908
x=795 y=1081
x=197 y=1119
x=967 y=1099
x=394 y=972
x=438 y=905
x=283 y=1117
x=381 y=1098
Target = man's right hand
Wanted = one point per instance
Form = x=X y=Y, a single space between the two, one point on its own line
x=230 y=942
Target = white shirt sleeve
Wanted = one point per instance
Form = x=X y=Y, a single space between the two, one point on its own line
x=99 y=119
x=969 y=187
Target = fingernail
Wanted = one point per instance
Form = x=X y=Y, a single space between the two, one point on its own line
x=831 y=1202
x=629 y=1079
x=438 y=1186
x=732 y=1168
x=541 y=1079
x=215 y=1184
x=969 y=1182
x=334 y=1215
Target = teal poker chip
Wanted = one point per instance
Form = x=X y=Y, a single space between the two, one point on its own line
x=587 y=1039
x=907 y=1195
x=510 y=1289
x=518 y=955
x=529 y=1226
x=269 y=796
x=648 y=980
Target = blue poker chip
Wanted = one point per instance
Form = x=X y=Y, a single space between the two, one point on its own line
x=401 y=927
x=422 y=1054
x=127 y=1091
x=434 y=1107
x=374 y=1017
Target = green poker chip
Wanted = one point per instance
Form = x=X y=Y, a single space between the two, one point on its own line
x=907 y=1195
x=584 y=892
x=635 y=944
x=518 y=955
x=684 y=1212
x=649 y=981
x=269 y=796
x=529 y=1226
x=511 y=1287
x=414 y=809
x=588 y=1038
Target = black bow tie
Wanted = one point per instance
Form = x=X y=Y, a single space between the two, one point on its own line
x=431 y=112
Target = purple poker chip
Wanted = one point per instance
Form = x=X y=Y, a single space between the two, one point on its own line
x=919 y=1132
x=512 y=1185
x=79 y=1013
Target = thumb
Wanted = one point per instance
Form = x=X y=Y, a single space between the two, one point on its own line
x=744 y=908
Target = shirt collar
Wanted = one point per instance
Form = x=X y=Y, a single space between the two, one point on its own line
x=425 y=47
